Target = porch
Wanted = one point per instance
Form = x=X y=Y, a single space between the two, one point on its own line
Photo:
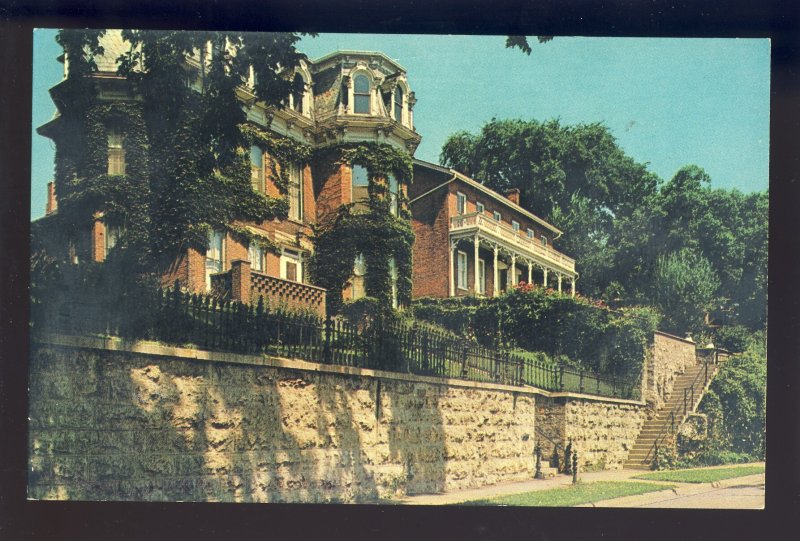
x=487 y=257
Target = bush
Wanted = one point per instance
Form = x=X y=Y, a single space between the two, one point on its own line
x=736 y=338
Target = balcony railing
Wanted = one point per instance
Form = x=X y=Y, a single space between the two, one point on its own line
x=504 y=232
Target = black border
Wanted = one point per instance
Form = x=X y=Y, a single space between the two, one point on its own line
x=20 y=519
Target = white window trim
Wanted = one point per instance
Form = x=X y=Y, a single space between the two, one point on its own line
x=480 y=207
x=297 y=168
x=461 y=196
x=531 y=233
x=294 y=257
x=221 y=257
x=544 y=240
x=515 y=226
x=351 y=91
x=462 y=273
x=498 y=217
x=353 y=180
x=254 y=249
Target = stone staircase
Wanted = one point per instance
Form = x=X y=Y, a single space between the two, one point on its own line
x=688 y=387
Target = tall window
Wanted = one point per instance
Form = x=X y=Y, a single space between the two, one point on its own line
x=462 y=270
x=116 y=153
x=360 y=191
x=255 y=254
x=359 y=270
x=361 y=94
x=394 y=188
x=257 y=168
x=112 y=236
x=398 y=104
x=461 y=203
x=295 y=192
x=393 y=280
x=291 y=266
x=213 y=256
x=481 y=276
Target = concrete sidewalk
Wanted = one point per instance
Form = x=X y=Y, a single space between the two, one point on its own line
x=737 y=493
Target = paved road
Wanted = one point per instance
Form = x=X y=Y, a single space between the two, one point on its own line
x=738 y=493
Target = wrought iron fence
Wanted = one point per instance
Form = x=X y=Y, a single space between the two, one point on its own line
x=175 y=317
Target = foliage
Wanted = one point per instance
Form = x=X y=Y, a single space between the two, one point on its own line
x=683 y=288
x=736 y=406
x=521 y=43
x=187 y=170
x=737 y=338
x=616 y=216
x=577 y=494
x=702 y=475
x=577 y=331
x=376 y=234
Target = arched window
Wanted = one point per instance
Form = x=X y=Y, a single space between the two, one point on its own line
x=398 y=104
x=297 y=96
x=361 y=94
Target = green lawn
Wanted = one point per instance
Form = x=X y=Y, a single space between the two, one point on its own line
x=701 y=475
x=574 y=494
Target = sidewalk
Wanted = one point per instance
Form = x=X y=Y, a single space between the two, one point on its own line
x=737 y=493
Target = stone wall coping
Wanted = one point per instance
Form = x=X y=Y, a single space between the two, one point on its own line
x=662 y=333
x=148 y=347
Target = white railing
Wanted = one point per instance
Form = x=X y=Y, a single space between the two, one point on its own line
x=505 y=232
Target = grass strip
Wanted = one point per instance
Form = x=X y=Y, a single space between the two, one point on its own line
x=573 y=495
x=702 y=475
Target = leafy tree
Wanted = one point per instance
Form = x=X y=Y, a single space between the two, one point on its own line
x=684 y=287
x=521 y=43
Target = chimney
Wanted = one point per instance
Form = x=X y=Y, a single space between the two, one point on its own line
x=513 y=195
x=52 y=204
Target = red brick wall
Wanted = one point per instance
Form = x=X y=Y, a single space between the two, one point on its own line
x=331 y=186
x=431 y=226
x=98 y=241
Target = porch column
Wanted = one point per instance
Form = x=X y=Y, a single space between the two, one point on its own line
x=559 y=282
x=477 y=274
x=450 y=273
x=495 y=285
x=572 y=286
x=530 y=273
x=545 y=277
x=513 y=269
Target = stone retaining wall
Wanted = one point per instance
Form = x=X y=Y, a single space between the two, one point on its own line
x=115 y=421
x=670 y=357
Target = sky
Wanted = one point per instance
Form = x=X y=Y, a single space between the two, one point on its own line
x=668 y=102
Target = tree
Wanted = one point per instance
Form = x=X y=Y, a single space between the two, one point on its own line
x=683 y=288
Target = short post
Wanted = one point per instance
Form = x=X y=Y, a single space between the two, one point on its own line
x=464 y=354
x=538 y=452
x=326 y=352
x=240 y=280
x=568 y=458
x=580 y=385
x=574 y=467
x=561 y=377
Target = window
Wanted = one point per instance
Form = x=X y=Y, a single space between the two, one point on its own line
x=213 y=256
x=530 y=233
x=394 y=189
x=461 y=203
x=360 y=191
x=398 y=104
x=296 y=97
x=291 y=266
x=255 y=254
x=116 y=153
x=361 y=94
x=257 y=168
x=481 y=276
x=393 y=280
x=515 y=226
x=295 y=192
x=112 y=236
x=497 y=216
x=480 y=207
x=544 y=240
x=359 y=270
x=462 y=270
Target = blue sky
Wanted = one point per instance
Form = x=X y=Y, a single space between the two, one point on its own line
x=669 y=102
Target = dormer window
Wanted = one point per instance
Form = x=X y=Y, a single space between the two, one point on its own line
x=398 y=104
x=361 y=94
x=296 y=98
